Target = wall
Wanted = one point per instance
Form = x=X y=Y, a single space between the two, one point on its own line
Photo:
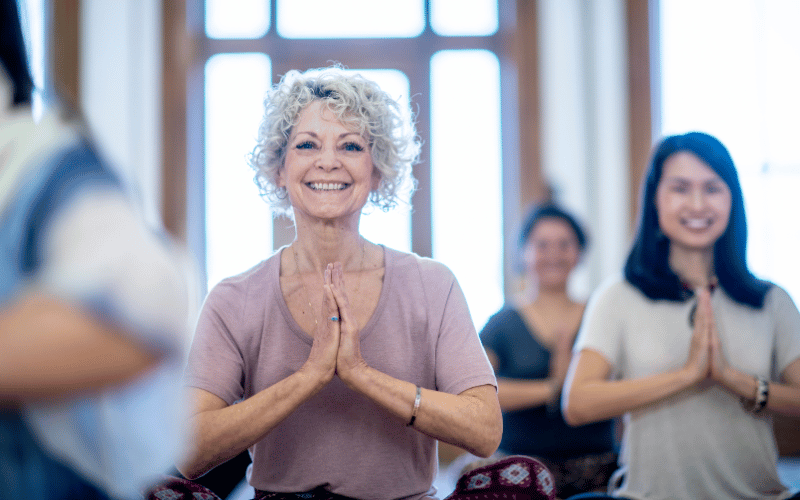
x=120 y=89
x=583 y=67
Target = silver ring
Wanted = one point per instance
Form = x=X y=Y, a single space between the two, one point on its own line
x=334 y=318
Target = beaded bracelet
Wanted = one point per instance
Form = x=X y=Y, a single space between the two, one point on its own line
x=762 y=395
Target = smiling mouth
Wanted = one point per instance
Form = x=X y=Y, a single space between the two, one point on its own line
x=699 y=223
x=327 y=186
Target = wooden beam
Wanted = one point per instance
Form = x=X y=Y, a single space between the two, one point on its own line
x=177 y=53
x=64 y=60
x=533 y=187
x=640 y=95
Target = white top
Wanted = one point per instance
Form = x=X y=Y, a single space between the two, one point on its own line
x=700 y=443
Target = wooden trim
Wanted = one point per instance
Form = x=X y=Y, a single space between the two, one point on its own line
x=533 y=187
x=64 y=59
x=640 y=96
x=175 y=69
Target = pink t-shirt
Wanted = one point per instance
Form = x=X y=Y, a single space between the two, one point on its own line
x=421 y=332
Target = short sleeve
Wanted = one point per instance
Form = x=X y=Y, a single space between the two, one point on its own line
x=461 y=362
x=787 y=327
x=603 y=325
x=216 y=362
x=122 y=271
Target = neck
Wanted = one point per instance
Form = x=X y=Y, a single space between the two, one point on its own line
x=319 y=245
x=548 y=296
x=694 y=267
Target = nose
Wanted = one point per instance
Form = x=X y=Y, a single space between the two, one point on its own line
x=328 y=160
x=697 y=199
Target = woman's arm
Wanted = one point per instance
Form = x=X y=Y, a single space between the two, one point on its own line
x=220 y=432
x=517 y=394
x=470 y=420
x=784 y=397
x=50 y=349
x=590 y=397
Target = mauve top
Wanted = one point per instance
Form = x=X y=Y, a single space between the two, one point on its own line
x=421 y=332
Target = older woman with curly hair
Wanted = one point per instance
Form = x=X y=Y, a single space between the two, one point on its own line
x=337 y=362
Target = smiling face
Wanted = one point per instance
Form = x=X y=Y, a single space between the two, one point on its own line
x=551 y=252
x=328 y=171
x=693 y=203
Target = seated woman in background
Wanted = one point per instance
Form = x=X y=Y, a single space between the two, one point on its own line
x=689 y=346
x=529 y=343
x=347 y=360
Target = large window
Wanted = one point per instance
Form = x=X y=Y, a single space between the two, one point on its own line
x=439 y=58
x=730 y=68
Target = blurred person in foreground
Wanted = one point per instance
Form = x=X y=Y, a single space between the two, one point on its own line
x=93 y=312
x=337 y=362
x=529 y=343
x=688 y=345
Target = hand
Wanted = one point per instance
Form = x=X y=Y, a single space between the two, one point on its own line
x=719 y=364
x=699 y=362
x=348 y=360
x=325 y=348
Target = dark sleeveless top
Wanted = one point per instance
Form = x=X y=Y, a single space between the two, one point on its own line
x=540 y=431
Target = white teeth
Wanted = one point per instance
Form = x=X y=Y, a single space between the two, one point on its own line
x=327 y=186
x=697 y=223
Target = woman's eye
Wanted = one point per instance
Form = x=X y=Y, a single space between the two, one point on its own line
x=304 y=145
x=353 y=146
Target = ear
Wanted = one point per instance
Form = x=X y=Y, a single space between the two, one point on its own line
x=281 y=180
x=376 y=178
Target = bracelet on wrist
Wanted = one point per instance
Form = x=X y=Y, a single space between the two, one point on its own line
x=414 y=410
x=759 y=401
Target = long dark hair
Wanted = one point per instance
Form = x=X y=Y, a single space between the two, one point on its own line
x=647 y=267
x=12 y=53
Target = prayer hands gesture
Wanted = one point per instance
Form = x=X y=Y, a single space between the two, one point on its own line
x=706 y=357
x=336 y=347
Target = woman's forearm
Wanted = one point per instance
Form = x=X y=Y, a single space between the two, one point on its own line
x=220 y=432
x=518 y=394
x=470 y=420
x=590 y=397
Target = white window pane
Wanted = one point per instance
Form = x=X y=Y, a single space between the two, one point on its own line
x=464 y=17
x=237 y=18
x=728 y=69
x=466 y=174
x=350 y=18
x=238 y=221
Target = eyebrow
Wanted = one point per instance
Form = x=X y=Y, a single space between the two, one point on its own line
x=341 y=136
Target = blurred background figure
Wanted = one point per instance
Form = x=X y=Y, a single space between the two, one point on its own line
x=529 y=343
x=94 y=309
x=689 y=345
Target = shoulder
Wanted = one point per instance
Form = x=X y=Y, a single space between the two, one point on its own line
x=412 y=266
x=615 y=289
x=778 y=299
x=238 y=289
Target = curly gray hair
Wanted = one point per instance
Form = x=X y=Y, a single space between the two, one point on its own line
x=357 y=102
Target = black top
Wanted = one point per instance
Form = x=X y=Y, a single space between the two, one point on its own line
x=540 y=431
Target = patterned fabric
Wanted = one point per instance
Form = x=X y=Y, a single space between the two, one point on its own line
x=175 y=488
x=515 y=477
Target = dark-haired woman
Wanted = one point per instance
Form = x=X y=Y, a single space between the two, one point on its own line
x=529 y=342
x=691 y=347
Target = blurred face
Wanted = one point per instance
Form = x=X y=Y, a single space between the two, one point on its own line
x=693 y=203
x=551 y=252
x=328 y=171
